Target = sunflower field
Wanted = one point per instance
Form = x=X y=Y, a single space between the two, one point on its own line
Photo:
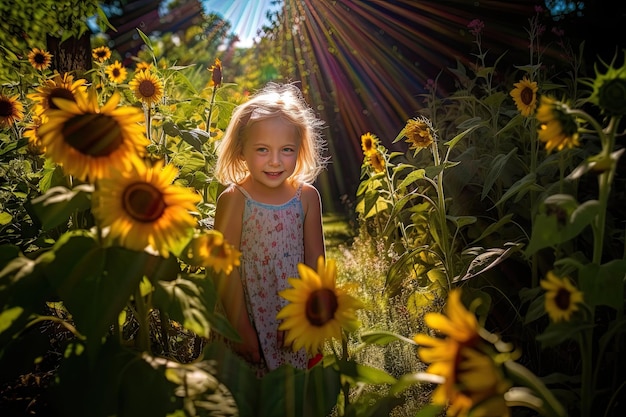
x=479 y=270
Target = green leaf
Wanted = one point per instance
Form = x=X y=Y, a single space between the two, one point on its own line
x=430 y=410
x=195 y=137
x=536 y=309
x=122 y=382
x=359 y=373
x=190 y=300
x=474 y=123
x=520 y=375
x=95 y=283
x=408 y=380
x=461 y=221
x=520 y=188
x=488 y=259
x=5 y=218
x=546 y=233
x=52 y=176
x=23 y=291
x=493 y=227
x=603 y=284
x=238 y=377
x=496 y=167
x=413 y=176
x=557 y=333
x=382 y=337
x=145 y=39
x=58 y=204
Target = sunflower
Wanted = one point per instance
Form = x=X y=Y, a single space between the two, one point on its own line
x=147 y=87
x=11 y=110
x=558 y=128
x=480 y=386
x=461 y=329
x=472 y=381
x=442 y=356
x=117 y=72
x=562 y=297
x=92 y=141
x=210 y=249
x=419 y=133
x=143 y=208
x=458 y=323
x=609 y=89
x=377 y=161
x=216 y=74
x=31 y=133
x=101 y=53
x=369 y=142
x=143 y=66
x=317 y=309
x=59 y=86
x=39 y=59
x=525 y=96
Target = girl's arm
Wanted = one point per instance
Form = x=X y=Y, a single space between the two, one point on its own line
x=228 y=218
x=314 y=246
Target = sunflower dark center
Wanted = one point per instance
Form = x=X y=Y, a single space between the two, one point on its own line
x=143 y=202
x=562 y=299
x=116 y=72
x=6 y=108
x=527 y=96
x=59 y=92
x=321 y=307
x=147 y=88
x=93 y=134
x=40 y=58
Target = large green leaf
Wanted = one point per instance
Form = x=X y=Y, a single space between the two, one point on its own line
x=190 y=300
x=122 y=382
x=23 y=291
x=603 y=284
x=560 y=220
x=95 y=283
x=58 y=204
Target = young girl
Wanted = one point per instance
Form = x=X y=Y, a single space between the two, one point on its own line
x=269 y=156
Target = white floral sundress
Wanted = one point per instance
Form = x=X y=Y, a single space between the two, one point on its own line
x=272 y=245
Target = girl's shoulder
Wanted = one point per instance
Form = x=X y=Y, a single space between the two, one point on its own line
x=309 y=194
x=231 y=197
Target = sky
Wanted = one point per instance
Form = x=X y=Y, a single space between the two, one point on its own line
x=246 y=17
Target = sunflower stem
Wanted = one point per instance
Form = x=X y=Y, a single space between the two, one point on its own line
x=210 y=115
x=344 y=356
x=586 y=389
x=143 y=337
x=149 y=122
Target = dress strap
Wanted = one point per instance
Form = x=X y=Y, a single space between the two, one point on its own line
x=243 y=191
x=298 y=192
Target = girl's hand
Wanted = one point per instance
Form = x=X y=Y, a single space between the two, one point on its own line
x=249 y=347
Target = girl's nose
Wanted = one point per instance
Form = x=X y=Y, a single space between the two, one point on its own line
x=274 y=159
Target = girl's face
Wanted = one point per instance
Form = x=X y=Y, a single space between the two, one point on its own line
x=271 y=151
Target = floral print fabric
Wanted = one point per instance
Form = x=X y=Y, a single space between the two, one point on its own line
x=272 y=245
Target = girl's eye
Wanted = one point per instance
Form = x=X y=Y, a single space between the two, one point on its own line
x=289 y=150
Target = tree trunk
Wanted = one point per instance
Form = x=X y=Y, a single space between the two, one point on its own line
x=72 y=55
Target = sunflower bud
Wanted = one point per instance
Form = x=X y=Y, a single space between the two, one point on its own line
x=612 y=96
x=609 y=89
x=216 y=73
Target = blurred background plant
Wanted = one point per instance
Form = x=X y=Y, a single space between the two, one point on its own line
x=529 y=227
x=500 y=205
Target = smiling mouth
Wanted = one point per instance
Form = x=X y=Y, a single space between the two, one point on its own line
x=273 y=174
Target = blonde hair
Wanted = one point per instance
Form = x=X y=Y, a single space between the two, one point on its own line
x=274 y=100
